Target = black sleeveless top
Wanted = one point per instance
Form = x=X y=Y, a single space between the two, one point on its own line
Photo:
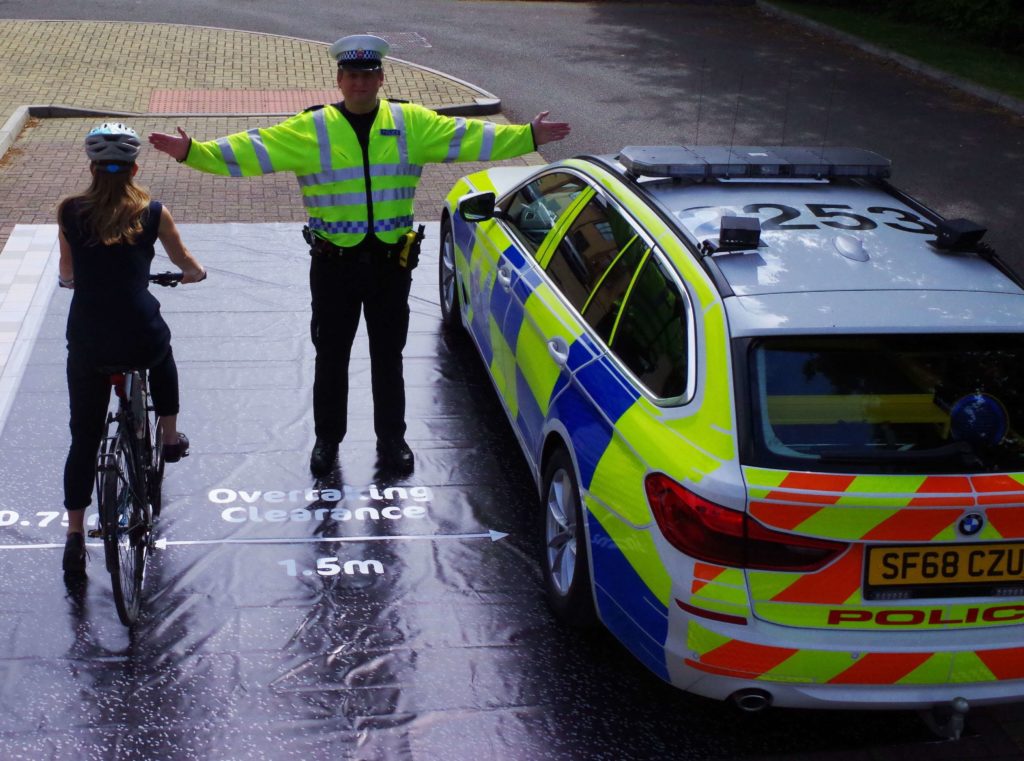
x=114 y=319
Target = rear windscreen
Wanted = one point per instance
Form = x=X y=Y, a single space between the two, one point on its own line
x=890 y=403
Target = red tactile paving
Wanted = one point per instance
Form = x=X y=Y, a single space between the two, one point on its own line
x=237 y=101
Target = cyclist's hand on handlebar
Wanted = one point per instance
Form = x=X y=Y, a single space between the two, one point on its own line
x=193 y=276
x=174 y=146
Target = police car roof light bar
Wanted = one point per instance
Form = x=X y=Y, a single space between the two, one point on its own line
x=705 y=162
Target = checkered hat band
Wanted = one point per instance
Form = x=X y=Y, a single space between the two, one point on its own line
x=359 y=55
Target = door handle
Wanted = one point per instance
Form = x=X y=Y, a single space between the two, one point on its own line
x=559 y=350
x=505 y=277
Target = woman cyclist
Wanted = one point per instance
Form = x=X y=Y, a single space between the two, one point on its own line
x=106 y=246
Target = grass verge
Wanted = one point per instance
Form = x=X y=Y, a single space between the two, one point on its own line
x=945 y=50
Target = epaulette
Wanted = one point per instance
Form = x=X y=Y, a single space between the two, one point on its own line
x=313 y=108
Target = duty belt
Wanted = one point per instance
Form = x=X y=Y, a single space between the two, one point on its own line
x=404 y=253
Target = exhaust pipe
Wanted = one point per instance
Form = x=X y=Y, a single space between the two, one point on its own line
x=751 y=700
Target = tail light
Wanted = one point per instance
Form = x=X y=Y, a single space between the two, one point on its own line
x=716 y=534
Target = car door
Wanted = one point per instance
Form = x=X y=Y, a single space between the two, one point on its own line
x=588 y=267
x=533 y=215
x=642 y=315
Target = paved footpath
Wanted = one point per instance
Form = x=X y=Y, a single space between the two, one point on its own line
x=211 y=82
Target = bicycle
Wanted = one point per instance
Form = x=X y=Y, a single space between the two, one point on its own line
x=129 y=475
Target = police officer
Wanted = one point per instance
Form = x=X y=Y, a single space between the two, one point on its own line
x=358 y=163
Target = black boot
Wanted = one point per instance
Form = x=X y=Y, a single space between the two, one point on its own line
x=174 y=452
x=394 y=455
x=74 y=555
x=323 y=458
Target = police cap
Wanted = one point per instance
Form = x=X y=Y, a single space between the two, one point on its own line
x=360 y=51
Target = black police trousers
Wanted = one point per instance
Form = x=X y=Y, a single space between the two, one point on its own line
x=89 y=396
x=342 y=288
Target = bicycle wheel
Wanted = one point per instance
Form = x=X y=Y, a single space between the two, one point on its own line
x=124 y=521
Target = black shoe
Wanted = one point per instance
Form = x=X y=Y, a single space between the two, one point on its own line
x=74 y=555
x=395 y=455
x=174 y=452
x=323 y=457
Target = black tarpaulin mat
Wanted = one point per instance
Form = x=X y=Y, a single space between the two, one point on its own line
x=369 y=619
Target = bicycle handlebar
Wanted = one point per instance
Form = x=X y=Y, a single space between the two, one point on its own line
x=168 y=279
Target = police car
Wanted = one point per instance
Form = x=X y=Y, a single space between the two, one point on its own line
x=774 y=410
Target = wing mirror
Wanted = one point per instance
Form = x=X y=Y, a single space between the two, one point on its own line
x=477 y=207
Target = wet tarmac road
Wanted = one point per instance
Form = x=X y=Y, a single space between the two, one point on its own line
x=359 y=617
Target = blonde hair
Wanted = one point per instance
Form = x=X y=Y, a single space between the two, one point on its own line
x=111 y=209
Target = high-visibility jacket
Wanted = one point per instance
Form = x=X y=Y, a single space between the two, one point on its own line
x=345 y=197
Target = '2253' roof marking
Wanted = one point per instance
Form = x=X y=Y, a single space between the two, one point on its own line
x=837 y=216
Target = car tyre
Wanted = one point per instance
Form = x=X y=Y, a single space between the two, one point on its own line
x=448 y=282
x=565 y=550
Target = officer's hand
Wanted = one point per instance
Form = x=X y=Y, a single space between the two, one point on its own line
x=193 y=276
x=547 y=132
x=175 y=147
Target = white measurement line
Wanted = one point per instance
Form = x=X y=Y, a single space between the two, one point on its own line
x=494 y=536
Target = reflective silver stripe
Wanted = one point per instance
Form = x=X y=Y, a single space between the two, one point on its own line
x=323 y=139
x=399 y=118
x=456 y=144
x=356 y=173
x=228 y=154
x=488 y=142
x=357 y=199
x=331 y=175
x=261 y=150
x=396 y=170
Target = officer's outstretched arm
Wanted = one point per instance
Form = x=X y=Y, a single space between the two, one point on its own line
x=174 y=146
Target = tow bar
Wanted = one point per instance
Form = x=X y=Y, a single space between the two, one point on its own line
x=947 y=719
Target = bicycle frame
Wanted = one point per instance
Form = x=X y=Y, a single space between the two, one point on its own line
x=128 y=475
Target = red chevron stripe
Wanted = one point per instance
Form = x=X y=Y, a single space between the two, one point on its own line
x=813 y=499
x=1001 y=499
x=880 y=668
x=913 y=525
x=782 y=516
x=952 y=500
x=945 y=485
x=816 y=482
x=708 y=572
x=995 y=483
x=1007 y=663
x=833 y=585
x=704 y=573
x=1008 y=521
x=746 y=657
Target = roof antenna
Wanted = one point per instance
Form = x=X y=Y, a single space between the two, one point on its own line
x=700 y=98
x=828 y=115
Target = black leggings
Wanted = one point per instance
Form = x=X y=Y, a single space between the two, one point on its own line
x=89 y=394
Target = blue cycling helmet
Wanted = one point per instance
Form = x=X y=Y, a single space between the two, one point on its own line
x=112 y=141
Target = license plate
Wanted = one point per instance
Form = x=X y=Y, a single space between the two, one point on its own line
x=945 y=564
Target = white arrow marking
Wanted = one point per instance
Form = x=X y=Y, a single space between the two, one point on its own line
x=494 y=536
x=161 y=544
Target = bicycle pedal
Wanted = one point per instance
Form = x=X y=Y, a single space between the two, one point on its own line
x=95 y=533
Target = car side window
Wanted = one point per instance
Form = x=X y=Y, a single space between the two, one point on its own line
x=533 y=210
x=599 y=242
x=651 y=335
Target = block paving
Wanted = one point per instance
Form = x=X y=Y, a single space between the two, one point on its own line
x=132 y=66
